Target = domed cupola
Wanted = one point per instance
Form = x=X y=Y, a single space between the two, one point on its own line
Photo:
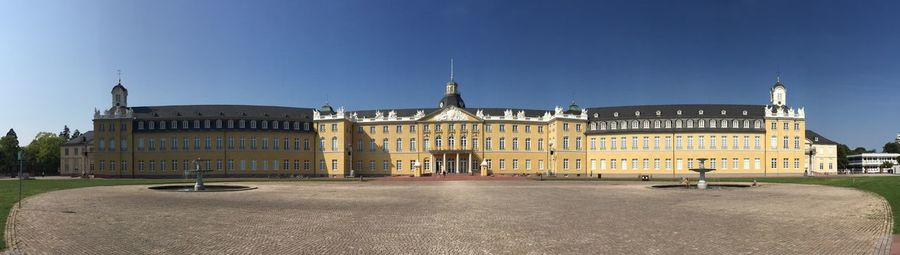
x=573 y=109
x=452 y=96
x=119 y=95
x=326 y=109
x=778 y=93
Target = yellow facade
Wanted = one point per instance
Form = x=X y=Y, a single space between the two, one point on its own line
x=658 y=140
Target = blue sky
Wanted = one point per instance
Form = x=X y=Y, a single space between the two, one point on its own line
x=839 y=59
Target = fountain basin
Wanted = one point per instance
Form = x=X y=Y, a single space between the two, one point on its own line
x=708 y=186
x=208 y=188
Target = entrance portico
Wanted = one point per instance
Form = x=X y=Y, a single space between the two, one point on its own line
x=453 y=161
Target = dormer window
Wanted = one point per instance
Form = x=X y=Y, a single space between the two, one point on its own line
x=140 y=125
x=196 y=123
x=596 y=115
x=252 y=124
x=152 y=125
x=678 y=112
x=616 y=114
x=723 y=112
x=207 y=124
x=745 y=112
x=637 y=113
x=184 y=124
x=658 y=112
x=700 y=112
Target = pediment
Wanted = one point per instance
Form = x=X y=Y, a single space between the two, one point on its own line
x=451 y=113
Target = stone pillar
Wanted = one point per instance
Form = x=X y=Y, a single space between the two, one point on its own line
x=469 y=164
x=457 y=163
x=444 y=163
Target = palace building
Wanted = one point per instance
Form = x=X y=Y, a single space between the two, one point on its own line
x=453 y=138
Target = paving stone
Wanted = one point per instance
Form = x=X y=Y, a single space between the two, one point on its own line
x=455 y=217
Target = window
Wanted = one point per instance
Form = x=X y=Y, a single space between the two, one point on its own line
x=334 y=164
x=578 y=143
x=372 y=145
x=566 y=164
x=774 y=142
x=515 y=144
x=384 y=145
x=774 y=164
x=528 y=144
x=540 y=144
x=797 y=142
x=565 y=143
x=502 y=144
x=399 y=144
x=412 y=144
x=334 y=144
x=785 y=142
x=515 y=163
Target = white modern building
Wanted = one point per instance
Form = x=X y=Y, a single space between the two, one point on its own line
x=871 y=162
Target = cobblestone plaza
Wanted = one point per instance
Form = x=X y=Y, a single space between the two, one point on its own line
x=455 y=217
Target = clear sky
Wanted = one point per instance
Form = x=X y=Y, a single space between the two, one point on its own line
x=839 y=59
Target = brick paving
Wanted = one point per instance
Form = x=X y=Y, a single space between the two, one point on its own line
x=458 y=217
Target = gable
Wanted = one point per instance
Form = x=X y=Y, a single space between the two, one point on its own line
x=451 y=113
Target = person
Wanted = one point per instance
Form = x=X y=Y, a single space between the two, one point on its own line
x=685 y=182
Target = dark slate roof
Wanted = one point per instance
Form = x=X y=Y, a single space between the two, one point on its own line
x=454 y=100
x=812 y=135
x=119 y=86
x=81 y=139
x=400 y=112
x=671 y=111
x=222 y=111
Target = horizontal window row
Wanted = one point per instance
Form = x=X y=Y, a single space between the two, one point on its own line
x=679 y=164
x=668 y=124
x=222 y=124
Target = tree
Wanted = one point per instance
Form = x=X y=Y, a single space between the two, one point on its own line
x=75 y=134
x=887 y=165
x=43 y=153
x=842 y=152
x=891 y=147
x=859 y=150
x=65 y=133
x=9 y=147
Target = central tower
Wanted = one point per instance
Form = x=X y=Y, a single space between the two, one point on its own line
x=451 y=95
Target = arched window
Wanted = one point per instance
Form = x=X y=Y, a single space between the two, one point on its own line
x=451 y=142
x=602 y=125
x=746 y=124
x=735 y=124
x=646 y=124
x=593 y=126
x=634 y=124
x=173 y=124
x=712 y=124
x=656 y=124
x=701 y=123
x=678 y=124
x=757 y=124
x=624 y=125
x=690 y=124
x=613 y=126
x=668 y=124
x=724 y=123
x=207 y=124
x=437 y=142
x=218 y=123
x=463 y=141
x=196 y=123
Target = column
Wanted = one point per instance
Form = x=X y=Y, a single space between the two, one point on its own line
x=444 y=163
x=457 y=163
x=433 y=164
x=469 y=164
